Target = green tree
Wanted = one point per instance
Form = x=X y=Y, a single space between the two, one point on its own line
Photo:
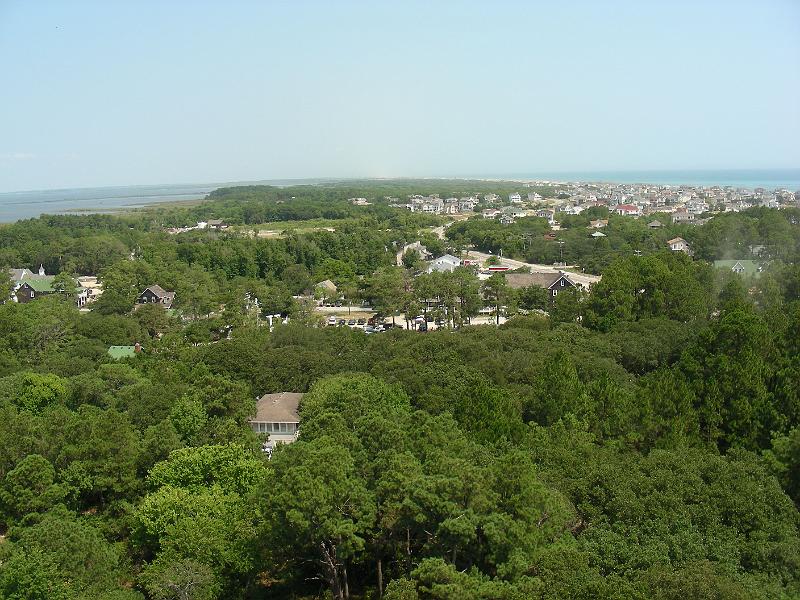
x=495 y=290
x=318 y=507
x=65 y=285
x=29 y=487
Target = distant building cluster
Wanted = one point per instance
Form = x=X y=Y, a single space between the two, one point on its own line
x=211 y=224
x=684 y=203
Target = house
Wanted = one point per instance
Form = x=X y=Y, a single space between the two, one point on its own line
x=28 y=286
x=506 y=220
x=34 y=287
x=446 y=263
x=679 y=244
x=155 y=294
x=655 y=224
x=513 y=211
x=94 y=289
x=467 y=204
x=627 y=210
x=217 y=224
x=120 y=352
x=515 y=198
x=598 y=234
x=553 y=282
x=417 y=247
x=277 y=415
x=598 y=223
x=571 y=209
x=682 y=215
x=490 y=213
x=548 y=214
x=327 y=288
x=750 y=268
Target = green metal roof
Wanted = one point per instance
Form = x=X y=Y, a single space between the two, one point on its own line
x=40 y=283
x=117 y=352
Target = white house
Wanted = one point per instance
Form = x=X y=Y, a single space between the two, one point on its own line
x=446 y=263
x=679 y=244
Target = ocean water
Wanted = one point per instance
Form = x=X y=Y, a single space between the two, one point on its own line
x=770 y=179
x=24 y=205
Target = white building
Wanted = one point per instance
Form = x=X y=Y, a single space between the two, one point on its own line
x=446 y=263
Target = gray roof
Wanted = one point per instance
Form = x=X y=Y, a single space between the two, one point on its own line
x=545 y=280
x=327 y=284
x=18 y=274
x=160 y=292
x=278 y=408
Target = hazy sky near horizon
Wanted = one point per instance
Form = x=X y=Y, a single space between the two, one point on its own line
x=120 y=93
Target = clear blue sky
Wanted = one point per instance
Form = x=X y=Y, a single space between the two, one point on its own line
x=117 y=93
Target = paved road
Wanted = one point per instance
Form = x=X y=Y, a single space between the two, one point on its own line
x=583 y=279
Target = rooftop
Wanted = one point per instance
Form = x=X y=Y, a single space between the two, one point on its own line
x=118 y=352
x=278 y=408
x=522 y=280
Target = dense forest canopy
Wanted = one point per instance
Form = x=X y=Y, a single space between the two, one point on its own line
x=637 y=440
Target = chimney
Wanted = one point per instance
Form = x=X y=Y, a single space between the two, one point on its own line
x=137 y=347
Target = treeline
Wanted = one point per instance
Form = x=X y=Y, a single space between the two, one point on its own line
x=759 y=233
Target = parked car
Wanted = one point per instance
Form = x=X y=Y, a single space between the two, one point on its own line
x=369 y=329
x=341 y=323
x=331 y=320
x=361 y=321
x=351 y=322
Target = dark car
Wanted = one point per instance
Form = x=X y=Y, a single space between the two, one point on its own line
x=361 y=321
x=351 y=322
x=341 y=322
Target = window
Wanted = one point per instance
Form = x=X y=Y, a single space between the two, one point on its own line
x=283 y=427
x=555 y=293
x=562 y=283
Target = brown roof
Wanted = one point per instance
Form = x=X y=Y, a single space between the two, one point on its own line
x=278 y=408
x=545 y=280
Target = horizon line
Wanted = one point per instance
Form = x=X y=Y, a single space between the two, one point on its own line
x=510 y=177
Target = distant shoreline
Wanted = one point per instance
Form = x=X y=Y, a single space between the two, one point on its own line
x=15 y=206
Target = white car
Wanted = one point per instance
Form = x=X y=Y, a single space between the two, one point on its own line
x=331 y=320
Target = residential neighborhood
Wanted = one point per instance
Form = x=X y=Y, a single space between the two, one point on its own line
x=684 y=203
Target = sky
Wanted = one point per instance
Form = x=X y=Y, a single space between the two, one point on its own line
x=123 y=93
